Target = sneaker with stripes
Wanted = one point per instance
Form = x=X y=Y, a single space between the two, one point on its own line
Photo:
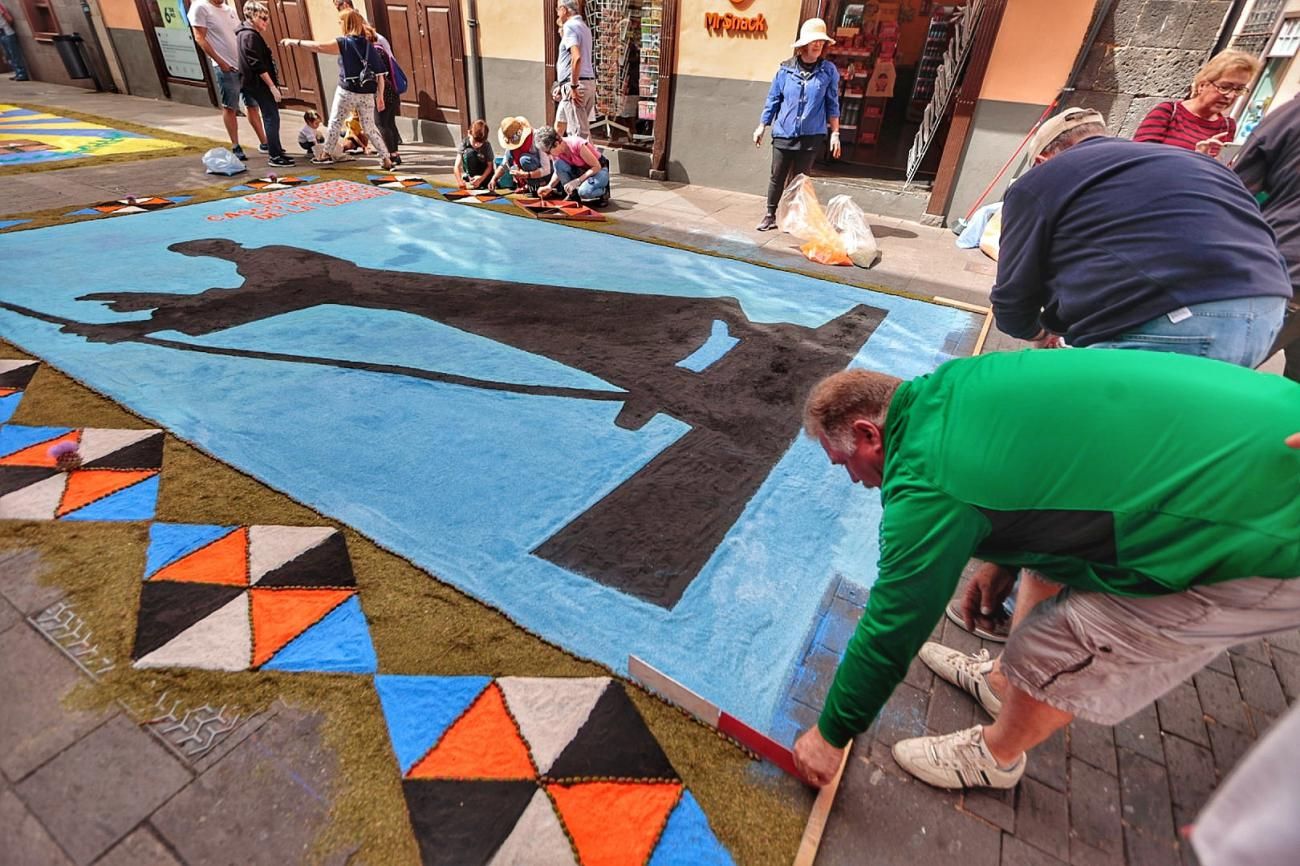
x=958 y=760
x=967 y=672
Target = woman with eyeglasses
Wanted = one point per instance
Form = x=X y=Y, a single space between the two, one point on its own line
x=1201 y=122
x=258 y=72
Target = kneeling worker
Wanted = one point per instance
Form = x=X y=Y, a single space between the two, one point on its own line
x=1158 y=489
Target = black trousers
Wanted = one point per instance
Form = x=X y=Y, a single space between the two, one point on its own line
x=386 y=120
x=785 y=165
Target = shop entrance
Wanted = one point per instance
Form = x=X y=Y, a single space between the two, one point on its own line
x=890 y=56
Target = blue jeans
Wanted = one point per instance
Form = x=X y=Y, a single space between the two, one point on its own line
x=270 y=119
x=1239 y=331
x=592 y=188
x=14 y=51
x=228 y=85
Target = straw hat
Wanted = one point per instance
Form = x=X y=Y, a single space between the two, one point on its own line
x=813 y=30
x=514 y=131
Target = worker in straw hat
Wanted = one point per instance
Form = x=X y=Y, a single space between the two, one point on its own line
x=802 y=105
x=528 y=166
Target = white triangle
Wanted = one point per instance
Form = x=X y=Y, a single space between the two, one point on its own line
x=537 y=839
x=130 y=208
x=97 y=442
x=270 y=547
x=6 y=366
x=39 y=501
x=550 y=711
x=221 y=641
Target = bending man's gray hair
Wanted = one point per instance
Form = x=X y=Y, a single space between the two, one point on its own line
x=572 y=6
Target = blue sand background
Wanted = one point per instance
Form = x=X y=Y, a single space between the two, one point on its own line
x=462 y=481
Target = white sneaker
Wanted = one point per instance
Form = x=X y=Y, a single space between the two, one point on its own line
x=959 y=760
x=967 y=672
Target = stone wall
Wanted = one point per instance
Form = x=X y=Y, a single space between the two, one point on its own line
x=1146 y=52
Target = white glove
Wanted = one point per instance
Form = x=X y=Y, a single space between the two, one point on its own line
x=835 y=144
x=758 y=135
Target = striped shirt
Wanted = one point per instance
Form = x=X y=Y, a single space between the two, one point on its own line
x=1172 y=123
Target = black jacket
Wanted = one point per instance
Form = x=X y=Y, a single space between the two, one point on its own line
x=254 y=59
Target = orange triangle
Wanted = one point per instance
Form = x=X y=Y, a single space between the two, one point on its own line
x=615 y=823
x=223 y=561
x=39 y=454
x=483 y=744
x=87 y=485
x=280 y=615
x=5 y=392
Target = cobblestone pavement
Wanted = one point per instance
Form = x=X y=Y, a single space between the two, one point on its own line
x=1091 y=795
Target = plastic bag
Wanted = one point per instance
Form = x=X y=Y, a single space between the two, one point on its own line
x=991 y=237
x=800 y=214
x=219 y=160
x=849 y=220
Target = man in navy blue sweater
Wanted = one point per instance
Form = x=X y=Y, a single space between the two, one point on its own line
x=1114 y=243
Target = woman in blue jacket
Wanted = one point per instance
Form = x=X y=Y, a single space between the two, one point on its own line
x=802 y=104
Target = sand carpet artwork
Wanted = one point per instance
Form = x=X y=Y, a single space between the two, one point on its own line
x=15 y=376
x=559 y=209
x=130 y=205
x=273 y=182
x=598 y=436
x=114 y=475
x=399 y=181
x=538 y=771
x=29 y=137
x=476 y=196
x=239 y=598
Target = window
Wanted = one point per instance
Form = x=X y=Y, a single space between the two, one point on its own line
x=41 y=17
x=1288 y=39
x=626 y=48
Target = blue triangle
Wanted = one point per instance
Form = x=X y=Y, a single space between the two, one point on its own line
x=169 y=542
x=419 y=710
x=85 y=211
x=136 y=502
x=687 y=839
x=14 y=438
x=9 y=405
x=339 y=643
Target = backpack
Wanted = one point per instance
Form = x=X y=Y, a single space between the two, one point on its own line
x=366 y=78
x=399 y=77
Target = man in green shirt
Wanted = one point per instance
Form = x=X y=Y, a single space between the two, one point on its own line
x=1158 y=489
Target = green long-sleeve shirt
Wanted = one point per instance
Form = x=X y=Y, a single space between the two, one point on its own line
x=1133 y=473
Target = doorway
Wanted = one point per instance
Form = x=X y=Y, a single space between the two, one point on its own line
x=427 y=41
x=299 y=70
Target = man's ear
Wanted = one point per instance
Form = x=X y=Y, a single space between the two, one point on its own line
x=868 y=431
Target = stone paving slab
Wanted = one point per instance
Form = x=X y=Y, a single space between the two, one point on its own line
x=98 y=790
x=34 y=724
x=264 y=802
x=23 y=841
x=141 y=848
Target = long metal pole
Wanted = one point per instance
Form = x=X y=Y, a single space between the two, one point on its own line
x=476 y=60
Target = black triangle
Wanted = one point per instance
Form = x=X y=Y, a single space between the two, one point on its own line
x=613 y=743
x=144 y=454
x=18 y=377
x=326 y=564
x=17 y=477
x=463 y=823
x=168 y=607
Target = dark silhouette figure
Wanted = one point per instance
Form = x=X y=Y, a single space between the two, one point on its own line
x=652 y=534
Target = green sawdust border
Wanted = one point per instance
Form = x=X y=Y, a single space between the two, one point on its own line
x=190 y=144
x=759 y=817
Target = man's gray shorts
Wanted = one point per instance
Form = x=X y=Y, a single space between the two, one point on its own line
x=1104 y=657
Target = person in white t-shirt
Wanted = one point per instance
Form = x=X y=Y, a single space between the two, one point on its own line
x=214 y=23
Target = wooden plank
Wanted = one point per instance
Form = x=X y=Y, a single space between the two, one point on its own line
x=821 y=811
x=984 y=334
